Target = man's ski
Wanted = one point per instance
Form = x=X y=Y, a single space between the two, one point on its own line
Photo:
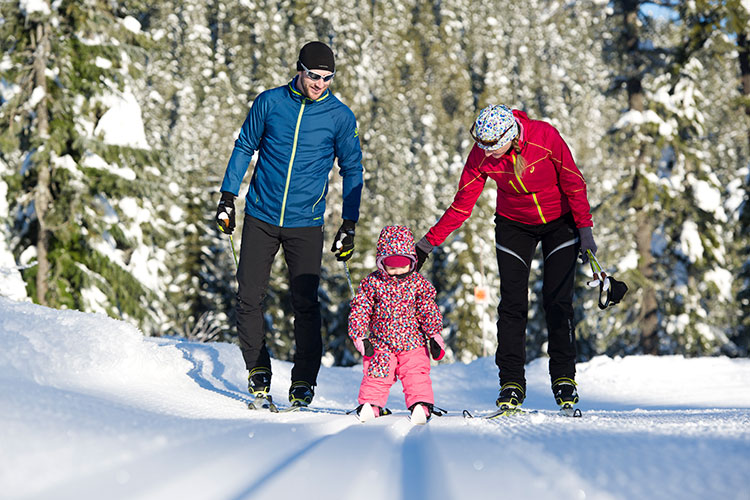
x=567 y=411
x=263 y=403
x=570 y=411
x=313 y=409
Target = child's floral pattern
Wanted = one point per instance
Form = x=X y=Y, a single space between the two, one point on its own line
x=396 y=313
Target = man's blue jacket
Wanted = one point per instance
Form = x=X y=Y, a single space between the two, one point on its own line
x=297 y=140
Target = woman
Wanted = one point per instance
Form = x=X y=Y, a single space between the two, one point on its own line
x=541 y=196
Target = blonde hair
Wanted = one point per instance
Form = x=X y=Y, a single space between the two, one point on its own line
x=519 y=165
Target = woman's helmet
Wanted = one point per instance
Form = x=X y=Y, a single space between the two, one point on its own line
x=494 y=127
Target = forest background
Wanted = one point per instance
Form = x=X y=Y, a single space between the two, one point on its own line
x=117 y=120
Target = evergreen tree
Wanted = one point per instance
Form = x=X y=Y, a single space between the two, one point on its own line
x=669 y=197
x=81 y=192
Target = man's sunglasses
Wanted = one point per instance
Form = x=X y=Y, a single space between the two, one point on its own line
x=488 y=143
x=314 y=76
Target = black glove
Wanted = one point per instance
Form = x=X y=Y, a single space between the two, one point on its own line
x=369 y=349
x=343 y=243
x=424 y=248
x=225 y=213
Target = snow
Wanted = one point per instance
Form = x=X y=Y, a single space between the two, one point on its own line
x=131 y=24
x=91 y=408
x=29 y=7
x=11 y=281
x=122 y=123
x=36 y=97
x=92 y=160
x=690 y=242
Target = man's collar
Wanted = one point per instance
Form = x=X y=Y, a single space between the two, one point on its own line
x=300 y=96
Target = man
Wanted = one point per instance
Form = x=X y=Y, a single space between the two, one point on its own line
x=297 y=129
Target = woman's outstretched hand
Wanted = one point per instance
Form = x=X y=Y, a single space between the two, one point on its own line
x=424 y=248
x=587 y=243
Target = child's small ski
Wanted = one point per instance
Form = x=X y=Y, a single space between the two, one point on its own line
x=366 y=413
x=418 y=415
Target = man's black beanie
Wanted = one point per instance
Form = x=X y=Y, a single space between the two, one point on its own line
x=316 y=55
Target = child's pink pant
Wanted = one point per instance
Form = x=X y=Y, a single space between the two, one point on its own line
x=411 y=367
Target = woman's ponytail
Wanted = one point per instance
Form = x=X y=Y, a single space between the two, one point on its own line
x=520 y=164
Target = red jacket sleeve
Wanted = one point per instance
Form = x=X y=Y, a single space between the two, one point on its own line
x=428 y=312
x=571 y=180
x=470 y=186
x=360 y=315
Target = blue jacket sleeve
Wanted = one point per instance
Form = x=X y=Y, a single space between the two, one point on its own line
x=349 y=155
x=245 y=146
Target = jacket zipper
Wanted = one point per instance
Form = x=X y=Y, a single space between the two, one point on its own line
x=321 y=195
x=291 y=162
x=533 y=195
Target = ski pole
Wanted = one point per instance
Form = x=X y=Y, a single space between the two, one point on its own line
x=349 y=278
x=599 y=275
x=369 y=349
x=231 y=241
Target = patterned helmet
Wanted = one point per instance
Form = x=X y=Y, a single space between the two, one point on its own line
x=494 y=127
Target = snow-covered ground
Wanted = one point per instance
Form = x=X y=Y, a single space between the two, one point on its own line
x=90 y=409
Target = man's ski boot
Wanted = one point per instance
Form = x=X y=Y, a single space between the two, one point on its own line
x=301 y=394
x=511 y=398
x=367 y=412
x=566 y=396
x=259 y=385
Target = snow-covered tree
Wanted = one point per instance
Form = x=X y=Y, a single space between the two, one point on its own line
x=84 y=174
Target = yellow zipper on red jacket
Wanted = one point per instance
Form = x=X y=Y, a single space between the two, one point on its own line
x=533 y=195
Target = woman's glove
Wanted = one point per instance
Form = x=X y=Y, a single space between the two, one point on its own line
x=424 y=248
x=437 y=347
x=587 y=243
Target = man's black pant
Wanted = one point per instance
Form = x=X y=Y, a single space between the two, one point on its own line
x=303 y=251
x=516 y=243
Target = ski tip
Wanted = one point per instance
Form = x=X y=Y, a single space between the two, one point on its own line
x=365 y=413
x=570 y=411
x=418 y=415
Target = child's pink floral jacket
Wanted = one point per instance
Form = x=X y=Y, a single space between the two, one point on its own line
x=397 y=313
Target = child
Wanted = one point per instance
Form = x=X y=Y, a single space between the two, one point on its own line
x=395 y=307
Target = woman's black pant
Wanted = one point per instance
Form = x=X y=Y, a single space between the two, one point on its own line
x=303 y=251
x=516 y=244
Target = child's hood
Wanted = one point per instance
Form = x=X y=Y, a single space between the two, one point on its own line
x=396 y=240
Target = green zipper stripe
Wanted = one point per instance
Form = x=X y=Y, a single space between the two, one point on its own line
x=533 y=195
x=321 y=196
x=291 y=162
x=539 y=208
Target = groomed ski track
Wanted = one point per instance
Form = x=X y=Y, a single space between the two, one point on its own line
x=96 y=410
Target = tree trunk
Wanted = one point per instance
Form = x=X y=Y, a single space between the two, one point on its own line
x=743 y=47
x=43 y=195
x=648 y=318
x=632 y=52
